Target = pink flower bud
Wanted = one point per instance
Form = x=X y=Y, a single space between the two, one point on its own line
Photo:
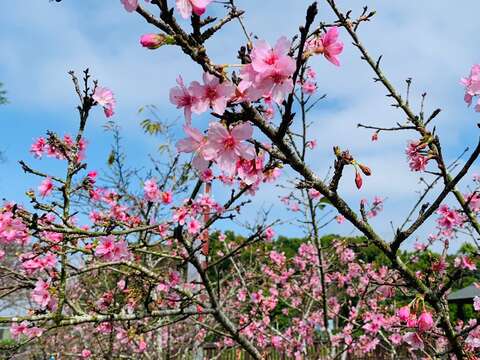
x=425 y=321
x=152 y=41
x=358 y=180
x=403 y=313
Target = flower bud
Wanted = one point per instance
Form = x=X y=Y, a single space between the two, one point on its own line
x=403 y=313
x=375 y=136
x=358 y=180
x=365 y=169
x=425 y=321
x=154 y=41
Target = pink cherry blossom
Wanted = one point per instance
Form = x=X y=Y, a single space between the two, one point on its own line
x=167 y=197
x=195 y=143
x=193 y=226
x=271 y=70
x=226 y=146
x=404 y=313
x=328 y=45
x=86 y=353
x=104 y=97
x=472 y=86
x=41 y=294
x=464 y=262
x=152 y=41
x=417 y=160
x=309 y=87
x=151 y=190
x=449 y=218
x=46 y=187
x=269 y=234
x=19 y=329
x=186 y=7
x=414 y=340
x=211 y=94
x=425 y=321
x=183 y=98
x=130 y=5
x=314 y=194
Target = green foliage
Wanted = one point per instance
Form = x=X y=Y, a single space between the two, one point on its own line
x=151 y=127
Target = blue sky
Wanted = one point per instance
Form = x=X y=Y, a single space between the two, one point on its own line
x=430 y=41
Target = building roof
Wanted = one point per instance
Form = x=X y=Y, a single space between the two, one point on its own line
x=464 y=294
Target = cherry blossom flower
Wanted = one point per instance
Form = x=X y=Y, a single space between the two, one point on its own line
x=130 y=5
x=186 y=7
x=104 y=97
x=41 y=294
x=226 y=146
x=328 y=45
x=425 y=321
x=12 y=229
x=414 y=340
x=449 y=218
x=19 y=329
x=152 y=41
x=271 y=70
x=404 y=313
x=472 y=86
x=464 y=262
x=46 y=187
x=476 y=303
x=211 y=94
x=195 y=142
x=152 y=192
x=167 y=197
x=314 y=194
x=417 y=161
x=269 y=234
x=309 y=87
x=193 y=226
x=111 y=250
x=183 y=98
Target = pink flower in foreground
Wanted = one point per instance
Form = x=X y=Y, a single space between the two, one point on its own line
x=472 y=86
x=211 y=94
x=104 y=97
x=226 y=147
x=40 y=293
x=86 y=353
x=309 y=87
x=417 y=160
x=45 y=187
x=414 y=340
x=314 y=194
x=152 y=41
x=194 y=226
x=186 y=7
x=270 y=71
x=269 y=234
x=167 y=197
x=130 y=5
x=194 y=143
x=404 y=313
x=464 y=262
x=152 y=193
x=18 y=329
x=425 y=321
x=183 y=98
x=328 y=45
x=449 y=218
